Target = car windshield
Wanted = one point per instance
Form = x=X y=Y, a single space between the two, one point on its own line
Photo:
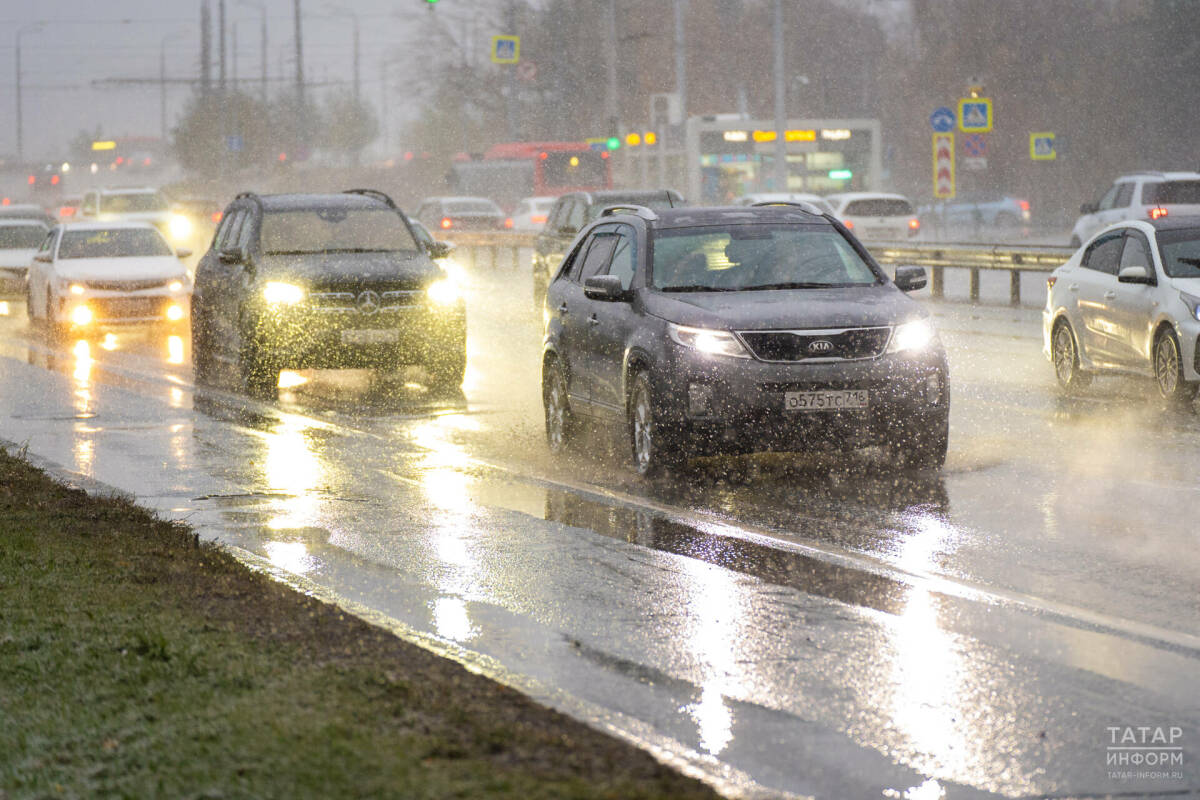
x=324 y=230
x=113 y=243
x=879 y=207
x=756 y=257
x=21 y=237
x=1180 y=251
x=132 y=203
x=1176 y=192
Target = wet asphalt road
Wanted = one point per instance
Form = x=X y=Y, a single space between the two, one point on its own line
x=779 y=624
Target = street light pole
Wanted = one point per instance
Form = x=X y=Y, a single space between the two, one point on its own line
x=20 y=119
x=781 y=167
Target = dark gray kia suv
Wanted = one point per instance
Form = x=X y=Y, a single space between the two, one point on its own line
x=710 y=330
x=295 y=281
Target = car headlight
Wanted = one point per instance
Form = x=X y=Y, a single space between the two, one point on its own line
x=912 y=337
x=278 y=293
x=179 y=226
x=1193 y=304
x=78 y=288
x=717 y=343
x=443 y=292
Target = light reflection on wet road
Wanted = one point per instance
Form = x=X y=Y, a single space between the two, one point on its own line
x=824 y=627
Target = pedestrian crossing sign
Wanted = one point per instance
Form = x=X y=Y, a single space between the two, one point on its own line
x=1041 y=147
x=975 y=115
x=506 y=49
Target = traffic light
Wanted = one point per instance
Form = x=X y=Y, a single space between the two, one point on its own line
x=613 y=142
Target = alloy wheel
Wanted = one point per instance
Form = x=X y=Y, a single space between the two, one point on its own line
x=557 y=412
x=642 y=430
x=1166 y=366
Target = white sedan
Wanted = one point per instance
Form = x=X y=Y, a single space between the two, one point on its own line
x=1128 y=301
x=876 y=215
x=87 y=276
x=19 y=240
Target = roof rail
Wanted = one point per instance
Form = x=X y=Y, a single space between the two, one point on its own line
x=249 y=196
x=1156 y=172
x=638 y=211
x=807 y=208
x=376 y=194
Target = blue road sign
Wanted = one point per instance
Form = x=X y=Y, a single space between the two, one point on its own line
x=975 y=115
x=506 y=49
x=974 y=145
x=942 y=119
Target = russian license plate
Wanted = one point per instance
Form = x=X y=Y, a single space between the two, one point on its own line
x=370 y=336
x=835 y=400
x=131 y=306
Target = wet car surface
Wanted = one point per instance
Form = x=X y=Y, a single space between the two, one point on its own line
x=813 y=625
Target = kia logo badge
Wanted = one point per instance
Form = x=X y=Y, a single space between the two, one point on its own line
x=820 y=347
x=368 y=302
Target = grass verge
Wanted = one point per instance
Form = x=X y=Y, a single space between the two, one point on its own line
x=137 y=662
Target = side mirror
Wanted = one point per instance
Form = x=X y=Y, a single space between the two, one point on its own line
x=1089 y=208
x=1134 y=275
x=439 y=249
x=43 y=258
x=909 y=279
x=182 y=252
x=604 y=287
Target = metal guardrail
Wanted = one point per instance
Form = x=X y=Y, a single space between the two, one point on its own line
x=937 y=257
x=1013 y=259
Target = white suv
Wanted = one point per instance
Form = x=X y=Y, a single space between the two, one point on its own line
x=1141 y=195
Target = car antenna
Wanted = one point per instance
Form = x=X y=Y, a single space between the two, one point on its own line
x=670 y=204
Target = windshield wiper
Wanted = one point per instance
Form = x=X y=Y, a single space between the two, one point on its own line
x=695 y=288
x=332 y=250
x=1191 y=262
x=795 y=285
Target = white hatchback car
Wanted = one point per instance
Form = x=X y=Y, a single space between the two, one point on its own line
x=1128 y=301
x=876 y=215
x=1140 y=195
x=92 y=275
x=531 y=214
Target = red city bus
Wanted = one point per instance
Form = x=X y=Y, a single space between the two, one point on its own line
x=511 y=171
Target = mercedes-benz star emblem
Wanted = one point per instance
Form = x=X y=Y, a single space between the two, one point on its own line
x=820 y=346
x=368 y=302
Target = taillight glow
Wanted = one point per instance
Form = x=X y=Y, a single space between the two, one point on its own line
x=216 y=216
x=849 y=225
x=66 y=211
x=540 y=219
x=914 y=224
x=1024 y=205
x=508 y=222
x=446 y=223
x=1158 y=213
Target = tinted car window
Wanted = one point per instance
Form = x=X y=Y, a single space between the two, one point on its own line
x=598 y=254
x=1180 y=251
x=1105 y=254
x=879 y=207
x=334 y=229
x=1136 y=253
x=1171 y=192
x=623 y=263
x=1109 y=198
x=21 y=237
x=744 y=257
x=113 y=242
x=575 y=215
x=1124 y=195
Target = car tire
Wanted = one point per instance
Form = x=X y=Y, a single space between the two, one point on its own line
x=1064 y=354
x=259 y=377
x=1168 y=370
x=29 y=303
x=560 y=421
x=653 y=451
x=55 y=330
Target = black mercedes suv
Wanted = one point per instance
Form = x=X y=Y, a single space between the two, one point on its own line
x=709 y=330
x=296 y=281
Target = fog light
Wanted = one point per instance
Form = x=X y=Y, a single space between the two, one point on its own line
x=81 y=315
x=175 y=286
x=699 y=399
x=76 y=288
x=174 y=313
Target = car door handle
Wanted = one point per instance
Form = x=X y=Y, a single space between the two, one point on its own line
x=562 y=309
x=592 y=320
x=1110 y=295
x=1074 y=287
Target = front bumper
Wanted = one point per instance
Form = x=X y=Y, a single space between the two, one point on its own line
x=114 y=309
x=305 y=339
x=745 y=409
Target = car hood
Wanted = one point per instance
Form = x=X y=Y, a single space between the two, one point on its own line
x=136 y=216
x=860 y=306
x=1189 y=285
x=16 y=258
x=340 y=267
x=120 y=269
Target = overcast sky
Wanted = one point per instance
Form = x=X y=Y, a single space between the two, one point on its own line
x=81 y=41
